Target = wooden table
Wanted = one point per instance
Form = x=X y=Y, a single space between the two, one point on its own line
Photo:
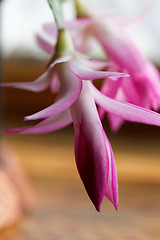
x=63 y=209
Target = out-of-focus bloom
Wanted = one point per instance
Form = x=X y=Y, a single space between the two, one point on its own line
x=142 y=87
x=70 y=74
x=16 y=193
x=129 y=90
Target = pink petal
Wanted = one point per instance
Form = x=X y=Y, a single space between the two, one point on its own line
x=112 y=183
x=69 y=91
x=91 y=147
x=43 y=81
x=63 y=59
x=94 y=64
x=74 y=25
x=50 y=124
x=120 y=48
x=126 y=111
x=86 y=73
x=91 y=159
x=109 y=88
x=131 y=92
x=78 y=24
x=114 y=122
x=55 y=84
x=38 y=85
x=45 y=45
x=51 y=29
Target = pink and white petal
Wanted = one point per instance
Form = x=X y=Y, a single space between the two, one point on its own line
x=51 y=29
x=55 y=84
x=86 y=73
x=63 y=59
x=131 y=92
x=126 y=111
x=109 y=88
x=90 y=147
x=114 y=44
x=50 y=124
x=38 y=85
x=95 y=64
x=112 y=183
x=14 y=130
x=78 y=24
x=74 y=25
x=42 y=82
x=152 y=76
x=115 y=122
x=45 y=45
x=70 y=89
x=91 y=159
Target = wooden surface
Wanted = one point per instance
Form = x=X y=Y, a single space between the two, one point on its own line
x=64 y=210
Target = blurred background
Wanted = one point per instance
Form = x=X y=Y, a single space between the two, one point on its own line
x=63 y=209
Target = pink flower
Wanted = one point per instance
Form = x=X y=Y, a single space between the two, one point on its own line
x=142 y=87
x=129 y=90
x=70 y=74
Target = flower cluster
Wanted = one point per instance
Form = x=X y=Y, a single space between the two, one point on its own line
x=130 y=89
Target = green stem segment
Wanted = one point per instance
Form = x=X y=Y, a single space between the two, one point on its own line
x=55 y=6
x=81 y=9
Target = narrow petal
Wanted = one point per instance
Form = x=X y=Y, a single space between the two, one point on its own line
x=50 y=124
x=91 y=160
x=112 y=183
x=38 y=85
x=91 y=148
x=109 y=88
x=75 y=25
x=45 y=45
x=94 y=64
x=63 y=59
x=86 y=73
x=55 y=84
x=69 y=92
x=115 y=122
x=51 y=29
x=43 y=81
x=120 y=48
x=126 y=111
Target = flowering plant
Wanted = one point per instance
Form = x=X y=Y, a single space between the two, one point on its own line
x=70 y=74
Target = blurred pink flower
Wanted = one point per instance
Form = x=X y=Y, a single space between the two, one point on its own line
x=142 y=87
x=71 y=74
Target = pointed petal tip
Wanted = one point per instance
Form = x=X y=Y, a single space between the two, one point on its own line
x=115 y=203
x=98 y=208
x=115 y=206
x=25 y=119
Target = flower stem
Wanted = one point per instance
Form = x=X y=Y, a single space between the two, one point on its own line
x=55 y=6
x=81 y=10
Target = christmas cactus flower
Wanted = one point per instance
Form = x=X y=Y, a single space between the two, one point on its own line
x=143 y=86
x=70 y=75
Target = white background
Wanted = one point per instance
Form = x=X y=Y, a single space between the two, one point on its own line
x=21 y=19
